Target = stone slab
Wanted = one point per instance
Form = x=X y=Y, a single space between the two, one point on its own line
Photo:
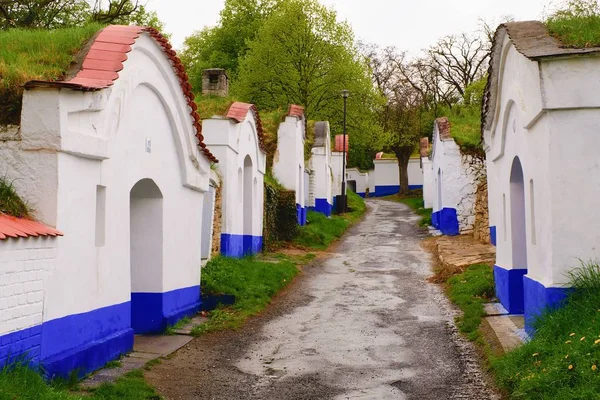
x=509 y=335
x=187 y=329
x=160 y=345
x=494 y=309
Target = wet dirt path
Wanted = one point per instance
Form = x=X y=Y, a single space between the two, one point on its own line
x=361 y=324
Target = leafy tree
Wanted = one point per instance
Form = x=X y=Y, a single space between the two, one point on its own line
x=48 y=14
x=303 y=55
x=224 y=45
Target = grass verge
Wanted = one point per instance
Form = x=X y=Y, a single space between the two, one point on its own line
x=251 y=280
x=22 y=383
x=416 y=203
x=470 y=290
x=320 y=232
x=35 y=54
x=10 y=202
x=562 y=360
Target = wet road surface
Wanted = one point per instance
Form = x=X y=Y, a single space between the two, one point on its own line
x=361 y=324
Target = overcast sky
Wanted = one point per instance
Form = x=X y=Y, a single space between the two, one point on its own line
x=410 y=25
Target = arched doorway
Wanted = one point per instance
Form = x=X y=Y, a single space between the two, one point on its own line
x=248 y=203
x=352 y=186
x=146 y=256
x=517 y=216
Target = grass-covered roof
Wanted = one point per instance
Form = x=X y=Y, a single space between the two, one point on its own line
x=27 y=55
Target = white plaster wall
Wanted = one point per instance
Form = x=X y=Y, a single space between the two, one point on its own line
x=387 y=172
x=415 y=175
x=337 y=159
x=520 y=129
x=231 y=143
x=460 y=177
x=371 y=173
x=25 y=264
x=101 y=139
x=288 y=163
x=361 y=178
x=428 y=189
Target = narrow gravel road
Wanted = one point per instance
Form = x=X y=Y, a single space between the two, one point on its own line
x=362 y=324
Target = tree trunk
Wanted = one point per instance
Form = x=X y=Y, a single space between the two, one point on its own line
x=403 y=168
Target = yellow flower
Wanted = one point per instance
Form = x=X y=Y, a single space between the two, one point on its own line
x=582 y=339
x=535 y=354
x=572 y=334
x=567 y=356
x=596 y=341
x=570 y=366
x=594 y=368
x=568 y=342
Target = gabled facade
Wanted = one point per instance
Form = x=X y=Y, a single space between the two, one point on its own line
x=288 y=163
x=113 y=156
x=237 y=141
x=540 y=119
x=456 y=178
x=321 y=172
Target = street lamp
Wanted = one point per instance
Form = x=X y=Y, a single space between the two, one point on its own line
x=344 y=205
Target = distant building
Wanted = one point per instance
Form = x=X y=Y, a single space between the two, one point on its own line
x=215 y=82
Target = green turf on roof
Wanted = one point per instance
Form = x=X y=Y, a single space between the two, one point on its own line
x=35 y=54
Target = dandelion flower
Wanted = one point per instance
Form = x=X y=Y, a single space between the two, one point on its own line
x=594 y=368
x=568 y=342
x=572 y=334
x=567 y=356
x=535 y=354
x=596 y=341
x=582 y=339
x=570 y=366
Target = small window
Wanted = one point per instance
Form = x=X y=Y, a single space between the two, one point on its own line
x=213 y=79
x=100 y=215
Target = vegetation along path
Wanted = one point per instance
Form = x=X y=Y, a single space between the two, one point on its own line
x=361 y=324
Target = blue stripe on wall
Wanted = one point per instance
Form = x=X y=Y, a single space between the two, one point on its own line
x=363 y=195
x=509 y=288
x=153 y=312
x=493 y=235
x=415 y=187
x=301 y=214
x=538 y=298
x=238 y=246
x=26 y=343
x=446 y=221
x=322 y=206
x=381 y=191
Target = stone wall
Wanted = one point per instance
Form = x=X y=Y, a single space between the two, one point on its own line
x=217 y=222
x=481 y=230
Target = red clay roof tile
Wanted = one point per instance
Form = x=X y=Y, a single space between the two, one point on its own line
x=296 y=111
x=11 y=227
x=105 y=59
x=238 y=112
x=339 y=143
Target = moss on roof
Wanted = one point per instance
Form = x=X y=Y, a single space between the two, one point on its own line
x=578 y=25
x=465 y=128
x=209 y=106
x=35 y=54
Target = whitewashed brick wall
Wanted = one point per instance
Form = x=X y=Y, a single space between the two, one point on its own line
x=24 y=266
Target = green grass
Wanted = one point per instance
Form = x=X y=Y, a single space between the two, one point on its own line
x=180 y=324
x=416 y=204
x=562 y=361
x=21 y=383
x=10 y=202
x=320 y=232
x=577 y=25
x=469 y=291
x=209 y=106
x=252 y=281
x=35 y=55
x=465 y=127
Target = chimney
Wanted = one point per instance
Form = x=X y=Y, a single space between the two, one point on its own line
x=215 y=82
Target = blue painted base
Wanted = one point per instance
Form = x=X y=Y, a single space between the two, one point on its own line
x=301 y=214
x=538 y=298
x=509 y=288
x=154 y=312
x=446 y=221
x=382 y=191
x=415 y=187
x=82 y=342
x=238 y=246
x=210 y=302
x=493 y=235
x=322 y=206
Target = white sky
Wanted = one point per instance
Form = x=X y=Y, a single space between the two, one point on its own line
x=410 y=25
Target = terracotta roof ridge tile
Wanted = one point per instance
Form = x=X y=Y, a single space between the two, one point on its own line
x=13 y=227
x=238 y=112
x=104 y=60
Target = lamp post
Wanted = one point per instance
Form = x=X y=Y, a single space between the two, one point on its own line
x=344 y=208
